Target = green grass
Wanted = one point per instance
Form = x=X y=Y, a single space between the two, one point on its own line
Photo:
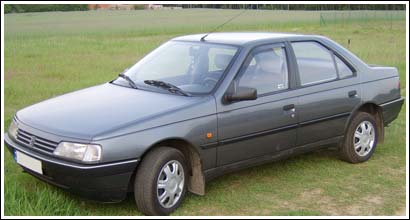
x=48 y=54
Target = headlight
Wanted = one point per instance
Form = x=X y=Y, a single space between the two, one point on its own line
x=13 y=129
x=81 y=152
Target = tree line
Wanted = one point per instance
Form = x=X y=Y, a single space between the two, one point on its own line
x=300 y=7
x=21 y=8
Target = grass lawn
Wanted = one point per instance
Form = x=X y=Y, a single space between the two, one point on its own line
x=49 y=54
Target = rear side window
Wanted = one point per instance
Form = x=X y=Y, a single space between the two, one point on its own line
x=344 y=70
x=315 y=63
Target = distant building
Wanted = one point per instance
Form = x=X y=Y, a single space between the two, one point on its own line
x=97 y=6
x=173 y=7
x=125 y=7
x=152 y=6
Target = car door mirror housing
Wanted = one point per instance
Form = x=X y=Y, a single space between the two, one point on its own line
x=242 y=94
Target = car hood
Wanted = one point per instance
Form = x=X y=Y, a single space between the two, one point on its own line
x=101 y=109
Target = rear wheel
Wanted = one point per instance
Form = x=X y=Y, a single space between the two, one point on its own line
x=160 y=183
x=360 y=138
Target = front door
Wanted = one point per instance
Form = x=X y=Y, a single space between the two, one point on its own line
x=250 y=129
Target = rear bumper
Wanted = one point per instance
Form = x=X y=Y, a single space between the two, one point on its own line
x=104 y=182
x=391 y=110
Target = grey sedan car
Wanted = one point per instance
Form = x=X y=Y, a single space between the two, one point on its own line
x=201 y=106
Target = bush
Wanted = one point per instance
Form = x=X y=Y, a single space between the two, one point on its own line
x=139 y=7
x=7 y=9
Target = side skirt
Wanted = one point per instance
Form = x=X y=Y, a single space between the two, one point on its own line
x=218 y=171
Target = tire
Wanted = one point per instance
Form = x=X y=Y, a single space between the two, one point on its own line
x=151 y=171
x=354 y=149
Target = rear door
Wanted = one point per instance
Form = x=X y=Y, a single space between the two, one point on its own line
x=329 y=91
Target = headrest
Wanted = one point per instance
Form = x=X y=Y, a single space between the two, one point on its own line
x=269 y=62
x=222 y=60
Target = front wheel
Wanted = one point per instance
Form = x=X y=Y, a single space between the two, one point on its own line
x=160 y=183
x=360 y=138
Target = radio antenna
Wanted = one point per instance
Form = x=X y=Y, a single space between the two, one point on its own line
x=239 y=14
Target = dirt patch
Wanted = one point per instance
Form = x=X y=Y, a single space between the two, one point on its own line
x=9 y=74
x=308 y=200
x=329 y=205
x=401 y=212
x=326 y=203
x=395 y=172
x=352 y=210
x=374 y=200
x=367 y=206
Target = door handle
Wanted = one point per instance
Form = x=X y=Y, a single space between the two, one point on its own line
x=289 y=110
x=288 y=107
x=352 y=94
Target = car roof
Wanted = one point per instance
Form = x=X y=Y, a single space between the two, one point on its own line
x=243 y=38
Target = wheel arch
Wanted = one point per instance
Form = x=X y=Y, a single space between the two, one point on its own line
x=196 y=179
x=373 y=109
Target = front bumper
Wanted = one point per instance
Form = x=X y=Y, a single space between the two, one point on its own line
x=104 y=182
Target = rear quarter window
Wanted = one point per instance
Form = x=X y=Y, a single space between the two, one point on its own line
x=344 y=70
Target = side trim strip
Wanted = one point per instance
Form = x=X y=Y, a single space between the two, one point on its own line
x=248 y=136
x=341 y=115
x=209 y=145
x=271 y=131
x=257 y=134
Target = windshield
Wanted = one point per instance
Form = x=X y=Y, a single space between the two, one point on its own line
x=193 y=67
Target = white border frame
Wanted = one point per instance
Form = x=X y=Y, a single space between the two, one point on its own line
x=210 y=2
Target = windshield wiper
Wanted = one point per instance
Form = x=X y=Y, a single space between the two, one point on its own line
x=167 y=86
x=132 y=83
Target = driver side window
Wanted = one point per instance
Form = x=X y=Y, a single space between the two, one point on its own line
x=267 y=71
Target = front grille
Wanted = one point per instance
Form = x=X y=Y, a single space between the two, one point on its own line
x=34 y=142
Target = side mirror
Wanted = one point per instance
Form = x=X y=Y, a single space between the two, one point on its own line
x=242 y=94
